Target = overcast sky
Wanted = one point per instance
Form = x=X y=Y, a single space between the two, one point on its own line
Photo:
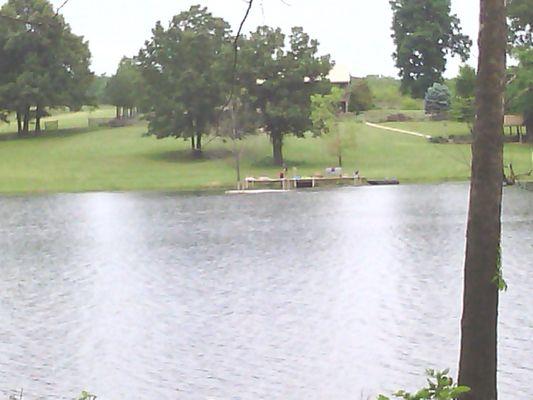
x=355 y=32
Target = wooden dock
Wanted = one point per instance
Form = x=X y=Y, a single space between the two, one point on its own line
x=300 y=183
x=284 y=184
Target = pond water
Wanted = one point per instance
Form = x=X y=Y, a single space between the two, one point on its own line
x=339 y=294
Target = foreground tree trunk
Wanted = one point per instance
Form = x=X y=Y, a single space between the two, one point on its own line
x=277 y=148
x=478 y=360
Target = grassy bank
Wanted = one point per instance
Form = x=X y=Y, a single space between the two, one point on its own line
x=77 y=159
x=76 y=120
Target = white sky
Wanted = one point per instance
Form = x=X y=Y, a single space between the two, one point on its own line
x=355 y=32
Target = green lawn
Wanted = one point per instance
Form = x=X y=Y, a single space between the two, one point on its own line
x=380 y=115
x=78 y=160
x=66 y=120
x=433 y=128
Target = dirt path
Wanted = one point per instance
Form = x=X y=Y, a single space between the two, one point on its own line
x=418 y=134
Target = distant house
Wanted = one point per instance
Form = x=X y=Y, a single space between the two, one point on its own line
x=340 y=77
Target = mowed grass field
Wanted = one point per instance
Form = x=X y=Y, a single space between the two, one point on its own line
x=433 y=128
x=77 y=159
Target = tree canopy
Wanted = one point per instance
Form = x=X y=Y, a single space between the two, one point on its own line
x=520 y=90
x=361 y=97
x=465 y=90
x=188 y=70
x=520 y=15
x=425 y=32
x=185 y=68
x=123 y=90
x=42 y=63
x=282 y=78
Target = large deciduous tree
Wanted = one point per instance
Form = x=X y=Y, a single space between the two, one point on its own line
x=43 y=64
x=424 y=33
x=186 y=71
x=282 y=80
x=482 y=279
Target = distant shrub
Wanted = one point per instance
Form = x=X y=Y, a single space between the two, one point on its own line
x=438 y=140
x=408 y=103
x=463 y=106
x=465 y=84
x=86 y=396
x=438 y=99
x=387 y=95
x=361 y=97
x=398 y=118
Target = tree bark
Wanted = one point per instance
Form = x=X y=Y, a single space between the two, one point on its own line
x=478 y=360
x=117 y=112
x=26 y=122
x=529 y=130
x=19 y=123
x=277 y=148
x=38 y=120
x=199 y=142
x=193 y=142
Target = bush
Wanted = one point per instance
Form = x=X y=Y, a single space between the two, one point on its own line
x=361 y=97
x=438 y=99
x=464 y=110
x=440 y=387
x=398 y=118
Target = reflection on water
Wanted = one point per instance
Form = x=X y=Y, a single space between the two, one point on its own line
x=306 y=295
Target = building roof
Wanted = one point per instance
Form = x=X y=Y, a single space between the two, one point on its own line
x=340 y=74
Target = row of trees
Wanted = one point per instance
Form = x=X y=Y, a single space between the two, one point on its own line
x=425 y=33
x=42 y=63
x=190 y=77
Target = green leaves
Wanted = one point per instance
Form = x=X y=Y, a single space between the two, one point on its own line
x=438 y=99
x=361 y=97
x=124 y=88
x=424 y=34
x=186 y=71
x=520 y=13
x=498 y=277
x=325 y=110
x=440 y=387
x=463 y=106
x=42 y=64
x=520 y=89
x=86 y=396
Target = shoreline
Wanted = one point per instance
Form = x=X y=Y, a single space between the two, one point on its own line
x=203 y=191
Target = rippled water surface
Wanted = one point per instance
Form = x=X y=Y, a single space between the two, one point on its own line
x=307 y=295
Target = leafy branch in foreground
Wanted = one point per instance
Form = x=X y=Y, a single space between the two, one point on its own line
x=86 y=396
x=440 y=387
